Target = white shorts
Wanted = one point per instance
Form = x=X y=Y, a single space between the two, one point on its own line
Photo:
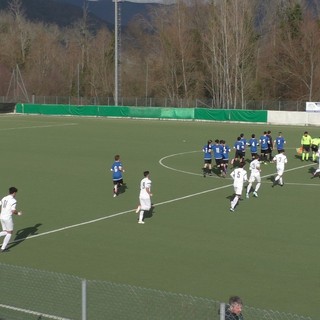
x=145 y=203
x=280 y=171
x=255 y=177
x=7 y=224
x=238 y=189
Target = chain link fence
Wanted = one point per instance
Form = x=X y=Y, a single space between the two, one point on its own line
x=34 y=294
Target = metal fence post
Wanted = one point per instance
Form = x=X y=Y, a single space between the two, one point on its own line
x=222 y=311
x=84 y=300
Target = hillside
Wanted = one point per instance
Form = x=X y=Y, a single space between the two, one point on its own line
x=62 y=13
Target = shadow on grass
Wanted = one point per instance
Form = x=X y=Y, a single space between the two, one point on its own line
x=23 y=234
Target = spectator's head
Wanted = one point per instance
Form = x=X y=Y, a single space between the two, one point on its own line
x=235 y=304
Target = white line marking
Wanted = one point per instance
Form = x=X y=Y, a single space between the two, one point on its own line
x=33 y=312
x=158 y=204
x=43 y=126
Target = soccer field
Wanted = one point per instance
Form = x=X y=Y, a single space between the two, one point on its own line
x=266 y=251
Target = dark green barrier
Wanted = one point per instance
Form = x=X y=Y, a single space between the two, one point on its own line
x=231 y=115
x=142 y=112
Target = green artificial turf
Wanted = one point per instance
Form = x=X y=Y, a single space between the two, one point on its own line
x=266 y=251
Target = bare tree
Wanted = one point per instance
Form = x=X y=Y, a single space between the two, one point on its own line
x=22 y=33
x=230 y=51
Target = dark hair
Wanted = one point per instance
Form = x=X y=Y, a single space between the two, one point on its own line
x=253 y=135
x=116 y=157
x=235 y=299
x=146 y=173
x=12 y=190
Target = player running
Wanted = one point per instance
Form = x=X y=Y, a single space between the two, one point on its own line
x=254 y=176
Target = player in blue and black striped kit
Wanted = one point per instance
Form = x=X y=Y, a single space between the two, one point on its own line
x=207 y=167
x=117 y=177
x=253 y=144
x=217 y=149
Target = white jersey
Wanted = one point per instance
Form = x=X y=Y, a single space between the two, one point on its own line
x=239 y=176
x=8 y=206
x=144 y=185
x=280 y=159
x=255 y=166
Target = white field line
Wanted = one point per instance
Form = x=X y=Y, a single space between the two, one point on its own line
x=42 y=126
x=32 y=312
x=159 y=203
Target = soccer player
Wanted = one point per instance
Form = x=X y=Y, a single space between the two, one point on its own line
x=254 y=176
x=253 y=144
x=239 y=176
x=279 y=142
x=264 y=145
x=270 y=146
x=225 y=156
x=117 y=177
x=280 y=159
x=217 y=149
x=207 y=167
x=244 y=141
x=314 y=148
x=144 y=196
x=239 y=148
x=317 y=170
x=8 y=208
x=306 y=143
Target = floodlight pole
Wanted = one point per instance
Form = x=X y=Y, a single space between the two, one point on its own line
x=116 y=63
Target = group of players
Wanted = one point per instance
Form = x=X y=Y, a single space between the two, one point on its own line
x=219 y=151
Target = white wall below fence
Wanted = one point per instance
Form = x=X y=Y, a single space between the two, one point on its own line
x=294 y=118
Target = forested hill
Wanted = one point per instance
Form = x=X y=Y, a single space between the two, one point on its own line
x=53 y=12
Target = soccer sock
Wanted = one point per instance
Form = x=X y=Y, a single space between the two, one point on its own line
x=249 y=187
x=303 y=155
x=3 y=233
x=141 y=215
x=257 y=186
x=234 y=201
x=6 y=241
x=307 y=156
x=277 y=178
x=280 y=180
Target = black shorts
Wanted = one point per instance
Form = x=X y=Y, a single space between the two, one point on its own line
x=219 y=162
x=314 y=148
x=207 y=161
x=306 y=147
x=239 y=154
x=118 y=182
